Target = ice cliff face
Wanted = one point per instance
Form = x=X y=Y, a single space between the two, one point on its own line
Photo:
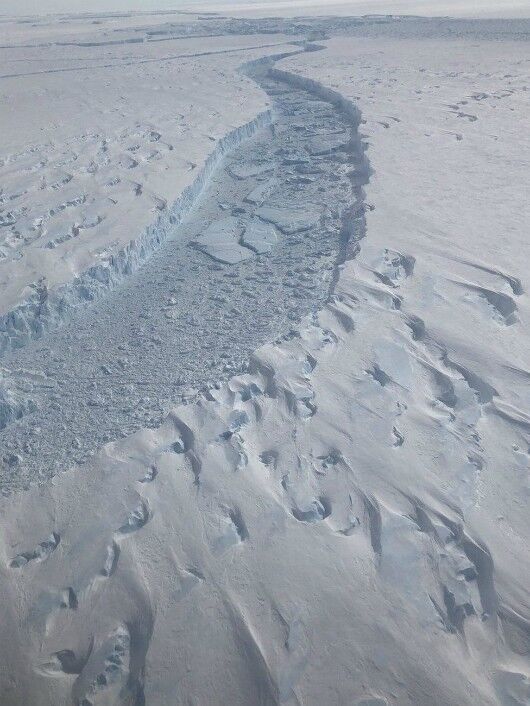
x=46 y=309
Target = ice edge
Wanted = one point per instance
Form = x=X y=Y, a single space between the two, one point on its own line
x=47 y=309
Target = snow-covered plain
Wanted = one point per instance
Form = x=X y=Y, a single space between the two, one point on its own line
x=347 y=521
x=288 y=8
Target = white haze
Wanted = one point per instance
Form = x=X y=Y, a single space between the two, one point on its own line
x=457 y=8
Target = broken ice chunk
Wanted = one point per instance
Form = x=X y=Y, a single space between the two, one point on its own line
x=244 y=171
x=325 y=144
x=260 y=236
x=290 y=219
x=258 y=195
x=221 y=241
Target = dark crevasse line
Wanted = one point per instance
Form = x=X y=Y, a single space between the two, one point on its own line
x=353 y=217
x=172 y=57
x=258 y=251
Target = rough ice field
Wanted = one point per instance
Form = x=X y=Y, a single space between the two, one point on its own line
x=256 y=253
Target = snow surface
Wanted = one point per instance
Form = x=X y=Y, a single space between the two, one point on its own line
x=347 y=521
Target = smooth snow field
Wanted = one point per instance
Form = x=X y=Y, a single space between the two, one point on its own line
x=264 y=359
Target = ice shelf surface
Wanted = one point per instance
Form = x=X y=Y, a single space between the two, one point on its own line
x=321 y=494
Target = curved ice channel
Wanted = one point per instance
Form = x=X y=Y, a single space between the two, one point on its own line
x=256 y=253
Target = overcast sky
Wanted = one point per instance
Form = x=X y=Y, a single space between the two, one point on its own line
x=500 y=8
